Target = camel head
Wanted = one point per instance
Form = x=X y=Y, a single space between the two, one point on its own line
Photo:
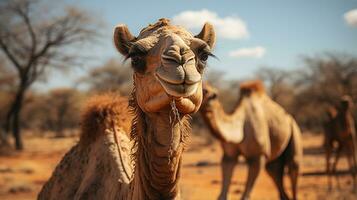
x=346 y=103
x=168 y=62
x=210 y=95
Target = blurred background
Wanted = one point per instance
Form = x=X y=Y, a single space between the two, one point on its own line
x=56 y=54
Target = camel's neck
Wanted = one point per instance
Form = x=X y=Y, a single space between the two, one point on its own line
x=345 y=118
x=160 y=146
x=344 y=113
x=228 y=127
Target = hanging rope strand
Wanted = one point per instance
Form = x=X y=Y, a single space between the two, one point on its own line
x=174 y=117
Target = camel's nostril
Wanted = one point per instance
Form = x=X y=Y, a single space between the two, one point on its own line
x=171 y=56
x=184 y=51
x=177 y=53
x=170 y=73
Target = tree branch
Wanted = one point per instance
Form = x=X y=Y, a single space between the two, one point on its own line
x=24 y=14
x=11 y=57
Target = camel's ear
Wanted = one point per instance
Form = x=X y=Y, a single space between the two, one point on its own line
x=123 y=39
x=208 y=35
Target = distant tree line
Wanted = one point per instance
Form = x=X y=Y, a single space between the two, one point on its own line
x=59 y=109
x=34 y=42
x=305 y=92
x=309 y=91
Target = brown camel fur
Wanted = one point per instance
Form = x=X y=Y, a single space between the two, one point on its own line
x=110 y=163
x=258 y=129
x=340 y=134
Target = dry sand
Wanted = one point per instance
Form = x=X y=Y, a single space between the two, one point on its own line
x=23 y=174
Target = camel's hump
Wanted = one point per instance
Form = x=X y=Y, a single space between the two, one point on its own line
x=102 y=112
x=254 y=86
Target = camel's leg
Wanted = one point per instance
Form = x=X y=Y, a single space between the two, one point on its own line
x=354 y=170
x=294 y=168
x=328 y=145
x=353 y=150
x=276 y=170
x=229 y=161
x=334 y=165
x=227 y=166
x=293 y=157
x=352 y=166
x=328 y=150
x=255 y=165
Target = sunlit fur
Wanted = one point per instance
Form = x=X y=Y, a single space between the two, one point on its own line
x=248 y=87
x=133 y=151
x=103 y=111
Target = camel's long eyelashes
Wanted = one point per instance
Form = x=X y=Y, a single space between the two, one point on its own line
x=205 y=55
x=137 y=54
x=204 y=52
x=213 y=56
x=137 y=49
x=202 y=49
x=138 y=63
x=202 y=57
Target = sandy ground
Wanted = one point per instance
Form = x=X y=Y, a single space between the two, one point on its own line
x=23 y=174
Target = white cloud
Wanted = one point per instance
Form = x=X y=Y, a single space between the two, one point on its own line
x=230 y=27
x=351 y=17
x=255 y=52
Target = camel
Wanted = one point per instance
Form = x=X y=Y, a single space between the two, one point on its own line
x=136 y=152
x=257 y=129
x=340 y=130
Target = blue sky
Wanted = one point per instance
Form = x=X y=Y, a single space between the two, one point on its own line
x=282 y=30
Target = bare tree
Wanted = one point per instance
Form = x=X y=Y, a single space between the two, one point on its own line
x=57 y=110
x=275 y=79
x=279 y=84
x=65 y=108
x=325 y=78
x=7 y=82
x=34 y=39
x=333 y=74
x=114 y=76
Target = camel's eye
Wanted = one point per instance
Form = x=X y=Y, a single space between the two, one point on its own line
x=202 y=60
x=204 y=56
x=138 y=63
x=135 y=60
x=137 y=54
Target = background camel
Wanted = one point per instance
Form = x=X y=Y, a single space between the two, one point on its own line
x=340 y=132
x=258 y=129
x=168 y=63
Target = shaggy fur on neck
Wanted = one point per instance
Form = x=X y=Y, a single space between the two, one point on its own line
x=142 y=152
x=111 y=110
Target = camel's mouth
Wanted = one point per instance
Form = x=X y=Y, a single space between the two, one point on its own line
x=178 y=78
x=178 y=90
